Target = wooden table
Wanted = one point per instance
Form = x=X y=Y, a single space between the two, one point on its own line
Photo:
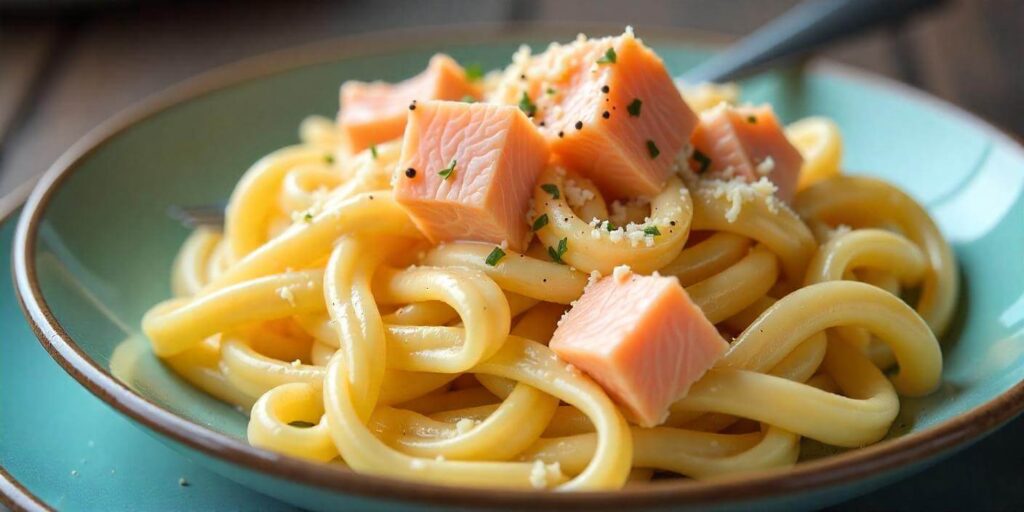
x=62 y=71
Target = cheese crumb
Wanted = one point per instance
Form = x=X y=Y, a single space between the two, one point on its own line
x=838 y=231
x=575 y=195
x=296 y=363
x=439 y=458
x=538 y=475
x=622 y=273
x=595 y=276
x=286 y=294
x=182 y=482
x=418 y=464
x=465 y=425
x=766 y=166
x=504 y=245
x=737 y=192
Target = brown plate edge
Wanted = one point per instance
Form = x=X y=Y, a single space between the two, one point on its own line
x=809 y=476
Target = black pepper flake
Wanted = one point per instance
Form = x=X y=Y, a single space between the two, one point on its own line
x=579 y=125
x=605 y=89
x=561 y=134
x=410 y=173
x=522 y=77
x=545 y=279
x=672 y=222
x=543 y=124
x=371 y=198
x=606 y=114
x=412 y=106
x=652 y=149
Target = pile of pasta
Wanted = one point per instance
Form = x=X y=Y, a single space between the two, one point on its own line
x=350 y=340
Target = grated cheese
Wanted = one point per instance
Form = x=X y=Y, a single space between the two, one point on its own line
x=538 y=475
x=286 y=294
x=576 y=195
x=737 y=192
x=621 y=273
x=766 y=166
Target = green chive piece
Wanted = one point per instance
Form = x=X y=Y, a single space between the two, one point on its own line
x=373 y=151
x=551 y=91
x=634 y=107
x=468 y=99
x=474 y=72
x=552 y=189
x=495 y=256
x=308 y=217
x=447 y=172
x=652 y=148
x=527 y=105
x=329 y=159
x=752 y=119
x=540 y=222
x=556 y=254
x=612 y=226
x=609 y=57
x=652 y=230
x=703 y=160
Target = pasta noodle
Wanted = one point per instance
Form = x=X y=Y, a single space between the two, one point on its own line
x=323 y=311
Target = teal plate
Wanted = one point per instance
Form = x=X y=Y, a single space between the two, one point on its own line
x=93 y=251
x=51 y=426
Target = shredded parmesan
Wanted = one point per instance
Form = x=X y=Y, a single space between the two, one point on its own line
x=465 y=425
x=737 y=192
x=538 y=475
x=621 y=273
x=575 y=195
x=286 y=294
x=766 y=166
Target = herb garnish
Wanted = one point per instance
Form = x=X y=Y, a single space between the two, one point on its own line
x=329 y=158
x=552 y=189
x=447 y=172
x=527 y=105
x=652 y=148
x=652 y=230
x=609 y=57
x=556 y=254
x=551 y=91
x=468 y=99
x=634 y=107
x=611 y=226
x=373 y=151
x=703 y=160
x=540 y=222
x=495 y=256
x=308 y=217
x=474 y=72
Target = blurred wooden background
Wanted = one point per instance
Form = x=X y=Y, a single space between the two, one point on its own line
x=66 y=65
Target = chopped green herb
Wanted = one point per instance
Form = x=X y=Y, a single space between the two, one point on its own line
x=308 y=217
x=752 y=119
x=329 y=159
x=495 y=256
x=551 y=91
x=652 y=230
x=634 y=107
x=552 y=189
x=703 y=160
x=468 y=99
x=611 y=226
x=540 y=222
x=447 y=172
x=474 y=72
x=527 y=105
x=652 y=148
x=373 y=151
x=609 y=57
x=556 y=254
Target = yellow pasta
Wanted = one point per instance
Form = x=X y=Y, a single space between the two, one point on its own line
x=323 y=311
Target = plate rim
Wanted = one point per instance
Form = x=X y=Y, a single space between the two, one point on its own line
x=820 y=474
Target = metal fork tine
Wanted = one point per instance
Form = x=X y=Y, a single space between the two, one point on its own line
x=208 y=215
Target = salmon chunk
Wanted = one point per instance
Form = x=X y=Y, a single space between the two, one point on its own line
x=642 y=339
x=467 y=171
x=746 y=142
x=611 y=112
x=375 y=112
